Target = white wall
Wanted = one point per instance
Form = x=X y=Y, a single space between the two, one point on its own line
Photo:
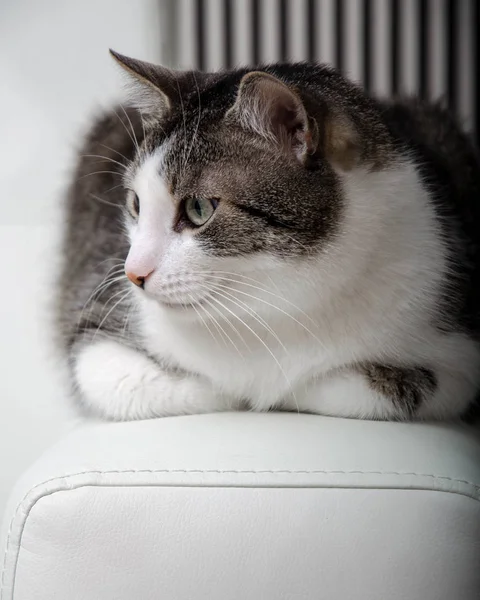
x=54 y=70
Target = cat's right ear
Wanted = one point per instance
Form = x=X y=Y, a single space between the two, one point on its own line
x=155 y=89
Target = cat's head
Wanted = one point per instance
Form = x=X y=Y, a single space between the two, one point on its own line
x=236 y=195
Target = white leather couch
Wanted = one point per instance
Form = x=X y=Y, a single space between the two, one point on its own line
x=249 y=507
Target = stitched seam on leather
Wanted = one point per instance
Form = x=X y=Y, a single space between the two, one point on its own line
x=217 y=471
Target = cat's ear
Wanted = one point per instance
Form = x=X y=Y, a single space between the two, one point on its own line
x=273 y=110
x=156 y=88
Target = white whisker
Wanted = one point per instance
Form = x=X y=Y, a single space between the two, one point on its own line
x=143 y=124
x=306 y=248
x=88 y=317
x=124 y=297
x=284 y=312
x=112 y=160
x=119 y=260
x=242 y=305
x=116 y=268
x=127 y=317
x=213 y=275
x=109 y=279
x=106 y=202
x=116 y=152
x=193 y=305
x=213 y=307
x=277 y=362
x=184 y=125
x=115 y=187
x=215 y=323
x=100 y=173
x=198 y=121
x=134 y=138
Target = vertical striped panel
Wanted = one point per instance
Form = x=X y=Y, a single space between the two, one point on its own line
x=437 y=80
x=395 y=54
x=257 y=28
x=424 y=47
x=476 y=66
x=464 y=80
x=297 y=13
x=422 y=19
x=367 y=43
x=452 y=52
x=270 y=34
x=326 y=33
x=311 y=17
x=200 y=37
x=228 y=33
x=215 y=44
x=242 y=33
x=380 y=31
x=353 y=28
x=339 y=24
x=410 y=46
x=185 y=46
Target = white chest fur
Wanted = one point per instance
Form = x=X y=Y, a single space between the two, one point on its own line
x=244 y=360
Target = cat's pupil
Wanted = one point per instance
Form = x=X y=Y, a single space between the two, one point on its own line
x=198 y=208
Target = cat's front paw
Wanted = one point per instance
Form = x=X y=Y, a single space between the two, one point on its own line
x=119 y=383
x=371 y=391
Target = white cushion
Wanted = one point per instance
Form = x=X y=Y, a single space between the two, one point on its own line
x=249 y=506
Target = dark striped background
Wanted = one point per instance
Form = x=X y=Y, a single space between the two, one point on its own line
x=425 y=47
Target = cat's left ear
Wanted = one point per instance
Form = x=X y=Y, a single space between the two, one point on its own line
x=273 y=110
x=156 y=89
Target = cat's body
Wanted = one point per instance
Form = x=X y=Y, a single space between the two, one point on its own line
x=337 y=271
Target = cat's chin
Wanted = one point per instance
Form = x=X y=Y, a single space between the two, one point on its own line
x=180 y=310
x=173 y=308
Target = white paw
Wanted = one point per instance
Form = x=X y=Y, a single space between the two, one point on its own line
x=345 y=395
x=120 y=383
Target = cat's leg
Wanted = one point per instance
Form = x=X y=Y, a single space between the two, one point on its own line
x=370 y=391
x=117 y=382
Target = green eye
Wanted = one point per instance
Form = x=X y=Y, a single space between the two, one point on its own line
x=199 y=210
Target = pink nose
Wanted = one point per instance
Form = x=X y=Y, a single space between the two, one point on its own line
x=137 y=279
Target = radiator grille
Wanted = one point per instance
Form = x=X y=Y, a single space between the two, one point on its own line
x=424 y=47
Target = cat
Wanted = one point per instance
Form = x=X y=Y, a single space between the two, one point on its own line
x=271 y=238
